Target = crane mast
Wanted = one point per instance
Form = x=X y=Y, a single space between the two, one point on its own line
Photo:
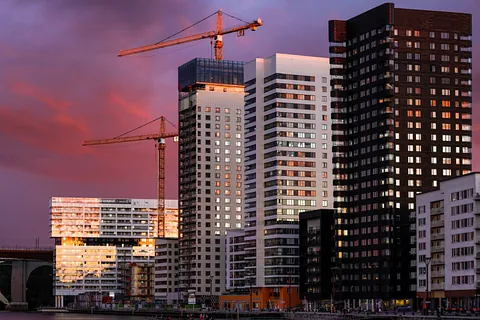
x=216 y=35
x=160 y=139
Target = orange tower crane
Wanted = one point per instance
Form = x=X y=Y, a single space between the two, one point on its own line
x=160 y=138
x=215 y=35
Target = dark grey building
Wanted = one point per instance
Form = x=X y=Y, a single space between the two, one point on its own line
x=316 y=258
x=401 y=106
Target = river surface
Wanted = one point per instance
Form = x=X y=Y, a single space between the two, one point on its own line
x=5 y=315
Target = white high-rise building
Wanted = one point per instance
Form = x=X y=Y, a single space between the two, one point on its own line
x=101 y=244
x=210 y=171
x=448 y=244
x=288 y=165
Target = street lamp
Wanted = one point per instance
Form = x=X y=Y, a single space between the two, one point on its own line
x=427 y=307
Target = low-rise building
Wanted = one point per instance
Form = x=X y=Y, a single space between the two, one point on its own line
x=448 y=244
x=97 y=241
x=238 y=287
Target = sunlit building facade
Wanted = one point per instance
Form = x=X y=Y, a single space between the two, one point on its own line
x=99 y=241
x=210 y=171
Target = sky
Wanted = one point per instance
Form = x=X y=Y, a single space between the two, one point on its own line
x=61 y=82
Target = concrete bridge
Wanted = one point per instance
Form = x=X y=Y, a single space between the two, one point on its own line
x=24 y=261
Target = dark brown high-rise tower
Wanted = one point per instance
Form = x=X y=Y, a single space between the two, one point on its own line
x=401 y=110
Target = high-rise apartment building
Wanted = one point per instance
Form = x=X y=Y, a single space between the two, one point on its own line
x=448 y=250
x=401 y=106
x=210 y=171
x=105 y=246
x=287 y=167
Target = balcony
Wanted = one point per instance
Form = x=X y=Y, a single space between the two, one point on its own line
x=437 y=249
x=437 y=236
x=438 y=286
x=439 y=273
x=437 y=223
x=435 y=211
x=438 y=261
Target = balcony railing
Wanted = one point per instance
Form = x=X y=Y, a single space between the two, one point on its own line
x=438 y=286
x=436 y=236
x=437 y=223
x=435 y=211
x=438 y=261
x=437 y=249
x=438 y=273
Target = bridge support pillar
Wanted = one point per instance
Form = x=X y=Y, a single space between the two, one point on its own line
x=21 y=270
x=59 y=302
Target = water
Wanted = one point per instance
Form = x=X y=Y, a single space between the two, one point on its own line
x=4 y=315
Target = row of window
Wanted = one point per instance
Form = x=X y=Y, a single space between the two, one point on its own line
x=293 y=183
x=289 y=86
x=227 y=135
x=292 y=115
x=462 y=223
x=463 y=251
x=461 y=209
x=284 y=105
x=432 y=45
x=431 y=34
x=294 y=96
x=460 y=195
x=218 y=110
x=292 y=77
x=463 y=237
x=218 y=225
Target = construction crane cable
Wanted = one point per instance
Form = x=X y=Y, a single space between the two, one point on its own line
x=173 y=35
x=143 y=125
x=223 y=12
x=170 y=122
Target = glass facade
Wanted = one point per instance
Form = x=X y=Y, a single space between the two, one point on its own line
x=202 y=70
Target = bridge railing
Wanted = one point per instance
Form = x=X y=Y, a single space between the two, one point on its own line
x=21 y=249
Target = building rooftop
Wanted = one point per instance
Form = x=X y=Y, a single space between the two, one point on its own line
x=203 y=71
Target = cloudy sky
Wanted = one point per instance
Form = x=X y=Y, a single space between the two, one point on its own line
x=61 y=82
